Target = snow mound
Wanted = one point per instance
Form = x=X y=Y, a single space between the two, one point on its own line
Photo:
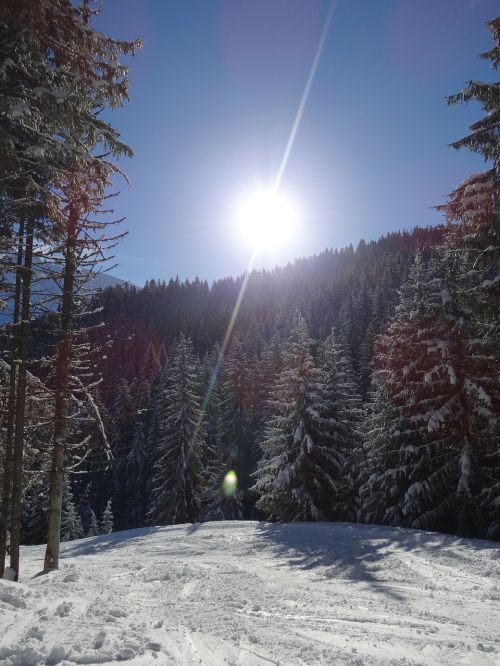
x=251 y=594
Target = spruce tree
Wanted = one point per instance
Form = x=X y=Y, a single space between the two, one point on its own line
x=93 y=529
x=124 y=414
x=34 y=513
x=177 y=473
x=238 y=435
x=298 y=475
x=473 y=208
x=107 y=519
x=340 y=406
x=137 y=472
x=71 y=524
x=384 y=464
x=216 y=455
x=445 y=380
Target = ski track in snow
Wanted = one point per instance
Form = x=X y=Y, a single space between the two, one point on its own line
x=244 y=593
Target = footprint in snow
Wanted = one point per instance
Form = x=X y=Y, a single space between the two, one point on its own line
x=64 y=609
x=70 y=577
x=35 y=632
x=99 y=640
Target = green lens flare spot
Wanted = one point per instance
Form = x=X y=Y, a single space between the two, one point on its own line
x=229 y=484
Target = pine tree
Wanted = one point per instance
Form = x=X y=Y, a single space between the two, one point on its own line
x=84 y=507
x=137 y=472
x=216 y=456
x=59 y=74
x=177 y=473
x=445 y=380
x=473 y=208
x=71 y=524
x=124 y=414
x=93 y=529
x=238 y=436
x=151 y=368
x=384 y=465
x=340 y=406
x=298 y=475
x=80 y=238
x=107 y=519
x=34 y=513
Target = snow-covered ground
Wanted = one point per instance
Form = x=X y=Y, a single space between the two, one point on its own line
x=250 y=593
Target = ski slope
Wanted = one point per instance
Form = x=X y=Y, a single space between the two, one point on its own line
x=249 y=593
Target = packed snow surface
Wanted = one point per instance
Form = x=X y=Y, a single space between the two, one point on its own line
x=250 y=593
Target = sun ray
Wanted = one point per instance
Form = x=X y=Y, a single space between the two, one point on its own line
x=277 y=183
x=305 y=96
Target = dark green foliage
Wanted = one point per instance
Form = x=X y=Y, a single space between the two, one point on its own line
x=177 y=473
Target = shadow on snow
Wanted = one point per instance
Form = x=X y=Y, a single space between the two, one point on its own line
x=364 y=553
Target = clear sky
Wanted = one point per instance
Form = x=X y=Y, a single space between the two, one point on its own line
x=214 y=93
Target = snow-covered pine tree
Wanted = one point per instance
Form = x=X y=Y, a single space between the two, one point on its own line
x=384 y=465
x=150 y=370
x=80 y=237
x=238 y=435
x=93 y=529
x=377 y=316
x=296 y=479
x=84 y=506
x=54 y=66
x=124 y=414
x=34 y=513
x=445 y=380
x=71 y=524
x=107 y=520
x=340 y=406
x=473 y=208
x=216 y=505
x=137 y=473
x=177 y=473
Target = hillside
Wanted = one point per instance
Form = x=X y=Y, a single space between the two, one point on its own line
x=351 y=313
x=255 y=594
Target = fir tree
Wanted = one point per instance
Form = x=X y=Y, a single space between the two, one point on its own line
x=384 y=465
x=340 y=407
x=298 y=475
x=137 y=471
x=93 y=529
x=84 y=507
x=151 y=368
x=177 y=474
x=123 y=431
x=107 y=519
x=71 y=524
x=473 y=208
x=445 y=380
x=216 y=504
x=34 y=514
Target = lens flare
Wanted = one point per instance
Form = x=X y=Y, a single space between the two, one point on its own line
x=229 y=484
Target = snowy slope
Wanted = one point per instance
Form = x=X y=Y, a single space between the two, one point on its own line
x=250 y=593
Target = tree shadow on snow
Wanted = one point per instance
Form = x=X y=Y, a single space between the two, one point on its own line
x=106 y=542
x=369 y=554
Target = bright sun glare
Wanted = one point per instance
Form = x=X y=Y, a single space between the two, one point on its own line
x=266 y=219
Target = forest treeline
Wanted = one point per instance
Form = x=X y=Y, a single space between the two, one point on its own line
x=345 y=393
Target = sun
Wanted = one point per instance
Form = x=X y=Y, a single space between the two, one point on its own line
x=266 y=219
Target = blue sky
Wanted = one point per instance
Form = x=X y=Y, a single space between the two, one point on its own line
x=214 y=93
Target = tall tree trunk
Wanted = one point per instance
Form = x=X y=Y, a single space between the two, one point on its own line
x=17 y=468
x=63 y=361
x=11 y=405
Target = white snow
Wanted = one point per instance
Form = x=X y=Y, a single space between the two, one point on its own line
x=250 y=593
